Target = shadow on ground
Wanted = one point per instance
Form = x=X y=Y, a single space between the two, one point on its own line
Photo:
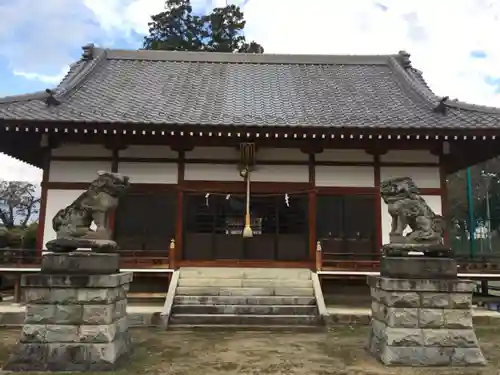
x=337 y=352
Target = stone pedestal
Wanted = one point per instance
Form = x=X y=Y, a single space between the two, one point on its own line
x=75 y=320
x=418 y=267
x=423 y=322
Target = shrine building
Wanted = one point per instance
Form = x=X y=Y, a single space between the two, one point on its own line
x=318 y=133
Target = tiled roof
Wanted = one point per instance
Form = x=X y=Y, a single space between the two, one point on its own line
x=202 y=88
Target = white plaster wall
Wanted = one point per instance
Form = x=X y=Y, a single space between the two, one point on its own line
x=281 y=154
x=57 y=199
x=217 y=153
x=149 y=173
x=148 y=151
x=344 y=155
x=434 y=202
x=424 y=177
x=211 y=172
x=281 y=173
x=409 y=156
x=345 y=176
x=233 y=153
x=262 y=173
x=76 y=171
x=78 y=149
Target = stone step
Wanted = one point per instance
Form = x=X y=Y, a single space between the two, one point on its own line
x=245 y=283
x=242 y=300
x=241 y=327
x=229 y=291
x=245 y=273
x=236 y=319
x=245 y=309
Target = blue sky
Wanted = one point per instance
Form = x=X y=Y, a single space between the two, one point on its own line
x=14 y=83
x=454 y=42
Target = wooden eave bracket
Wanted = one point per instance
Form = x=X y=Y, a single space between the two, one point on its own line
x=115 y=143
x=377 y=149
x=312 y=148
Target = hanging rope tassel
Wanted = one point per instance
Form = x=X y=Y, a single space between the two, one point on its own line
x=247 y=231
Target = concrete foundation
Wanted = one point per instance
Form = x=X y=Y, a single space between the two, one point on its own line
x=73 y=322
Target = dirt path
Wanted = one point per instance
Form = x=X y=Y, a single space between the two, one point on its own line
x=201 y=353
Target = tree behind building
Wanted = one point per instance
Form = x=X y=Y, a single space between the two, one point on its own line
x=19 y=203
x=178 y=29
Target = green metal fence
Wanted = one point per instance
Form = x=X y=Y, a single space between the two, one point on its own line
x=474 y=212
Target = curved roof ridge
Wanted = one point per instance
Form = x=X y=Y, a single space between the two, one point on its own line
x=423 y=92
x=242 y=58
x=416 y=80
x=455 y=103
x=80 y=71
x=37 y=95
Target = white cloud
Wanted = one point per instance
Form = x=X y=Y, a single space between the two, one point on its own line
x=14 y=170
x=45 y=78
x=125 y=15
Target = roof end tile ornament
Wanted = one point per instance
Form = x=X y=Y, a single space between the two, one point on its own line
x=442 y=107
x=88 y=51
x=51 y=100
x=405 y=59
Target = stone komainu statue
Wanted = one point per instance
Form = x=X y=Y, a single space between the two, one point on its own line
x=72 y=224
x=408 y=208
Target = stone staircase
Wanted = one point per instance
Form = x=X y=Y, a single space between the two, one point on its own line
x=244 y=297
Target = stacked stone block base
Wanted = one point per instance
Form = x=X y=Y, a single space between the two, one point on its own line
x=423 y=322
x=73 y=323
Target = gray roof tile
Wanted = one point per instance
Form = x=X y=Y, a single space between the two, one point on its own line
x=191 y=88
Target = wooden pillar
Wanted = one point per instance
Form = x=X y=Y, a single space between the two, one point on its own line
x=319 y=256
x=114 y=169
x=312 y=202
x=17 y=288
x=175 y=253
x=378 y=201
x=444 y=196
x=43 y=197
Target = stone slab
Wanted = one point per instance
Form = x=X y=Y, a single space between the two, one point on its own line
x=244 y=292
x=237 y=319
x=73 y=322
x=440 y=300
x=429 y=249
x=412 y=325
x=68 y=296
x=245 y=273
x=80 y=262
x=244 y=283
x=66 y=245
x=421 y=285
x=138 y=319
x=76 y=333
x=418 y=267
x=76 y=280
x=74 y=357
x=244 y=300
x=245 y=309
